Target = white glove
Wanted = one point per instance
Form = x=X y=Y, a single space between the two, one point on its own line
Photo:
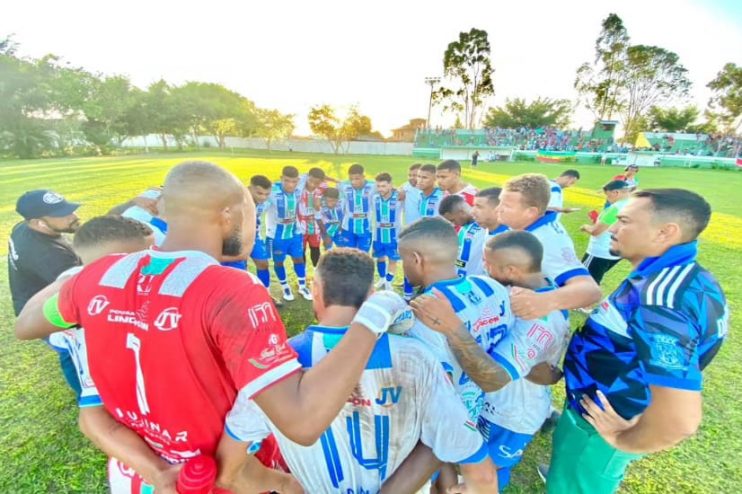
x=381 y=310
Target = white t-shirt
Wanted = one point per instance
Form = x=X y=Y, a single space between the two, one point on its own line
x=403 y=396
x=522 y=406
x=484 y=306
x=600 y=246
x=411 y=202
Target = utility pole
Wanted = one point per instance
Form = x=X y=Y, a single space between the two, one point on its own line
x=432 y=81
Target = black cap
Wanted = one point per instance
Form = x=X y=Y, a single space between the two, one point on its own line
x=38 y=203
x=616 y=185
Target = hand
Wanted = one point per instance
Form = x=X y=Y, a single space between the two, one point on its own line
x=401 y=194
x=545 y=374
x=436 y=312
x=586 y=228
x=146 y=203
x=458 y=489
x=166 y=479
x=606 y=421
x=528 y=304
x=380 y=311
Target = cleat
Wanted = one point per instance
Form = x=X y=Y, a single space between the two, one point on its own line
x=304 y=292
x=287 y=294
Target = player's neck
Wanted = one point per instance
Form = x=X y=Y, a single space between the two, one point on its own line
x=183 y=236
x=387 y=195
x=439 y=273
x=460 y=185
x=337 y=316
x=534 y=281
x=427 y=192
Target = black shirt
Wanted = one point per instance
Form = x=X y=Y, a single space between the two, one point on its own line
x=34 y=261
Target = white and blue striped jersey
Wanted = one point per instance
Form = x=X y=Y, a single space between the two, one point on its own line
x=403 y=397
x=260 y=210
x=429 y=204
x=484 y=307
x=387 y=218
x=357 y=206
x=281 y=214
x=522 y=406
x=470 y=259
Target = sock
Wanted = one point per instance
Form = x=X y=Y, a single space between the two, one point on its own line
x=301 y=273
x=389 y=276
x=314 y=255
x=408 y=287
x=381 y=268
x=280 y=273
x=265 y=277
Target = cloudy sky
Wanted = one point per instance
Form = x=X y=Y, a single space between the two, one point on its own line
x=291 y=55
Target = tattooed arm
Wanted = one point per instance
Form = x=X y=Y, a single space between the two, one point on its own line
x=481 y=368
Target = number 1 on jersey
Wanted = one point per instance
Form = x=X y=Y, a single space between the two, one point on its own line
x=135 y=344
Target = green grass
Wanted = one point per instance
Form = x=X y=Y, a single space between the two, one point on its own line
x=43 y=451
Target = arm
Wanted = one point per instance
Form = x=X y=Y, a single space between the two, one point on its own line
x=143 y=202
x=673 y=416
x=578 y=291
x=241 y=473
x=479 y=478
x=120 y=442
x=32 y=322
x=595 y=229
x=414 y=471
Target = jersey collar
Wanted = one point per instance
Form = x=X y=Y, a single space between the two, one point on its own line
x=548 y=217
x=318 y=328
x=677 y=255
x=434 y=191
x=499 y=229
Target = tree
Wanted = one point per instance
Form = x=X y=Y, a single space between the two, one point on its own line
x=106 y=108
x=652 y=76
x=273 y=124
x=726 y=101
x=600 y=84
x=672 y=119
x=541 y=112
x=324 y=121
x=468 y=75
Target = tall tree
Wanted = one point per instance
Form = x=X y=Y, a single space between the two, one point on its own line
x=726 y=100
x=468 y=76
x=673 y=119
x=106 y=108
x=652 y=76
x=324 y=121
x=600 y=84
x=272 y=124
x=541 y=112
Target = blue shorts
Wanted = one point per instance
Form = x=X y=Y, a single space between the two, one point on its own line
x=354 y=240
x=506 y=448
x=260 y=250
x=281 y=247
x=236 y=264
x=386 y=250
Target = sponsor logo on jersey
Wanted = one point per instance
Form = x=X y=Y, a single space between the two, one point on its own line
x=261 y=314
x=168 y=319
x=126 y=317
x=389 y=396
x=144 y=284
x=669 y=352
x=154 y=432
x=97 y=305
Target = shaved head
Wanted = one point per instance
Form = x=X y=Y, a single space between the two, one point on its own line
x=426 y=246
x=203 y=199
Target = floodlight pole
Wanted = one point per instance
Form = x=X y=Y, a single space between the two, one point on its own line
x=432 y=81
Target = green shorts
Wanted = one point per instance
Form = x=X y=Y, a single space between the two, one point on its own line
x=581 y=461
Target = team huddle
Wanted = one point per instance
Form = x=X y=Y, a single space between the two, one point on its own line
x=180 y=353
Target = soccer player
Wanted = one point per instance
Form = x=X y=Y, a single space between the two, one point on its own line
x=410 y=195
x=448 y=175
x=309 y=204
x=356 y=194
x=285 y=236
x=556 y=200
x=471 y=236
x=633 y=373
x=523 y=203
x=330 y=217
x=430 y=194
x=629 y=176
x=173 y=338
x=402 y=397
x=484 y=210
x=387 y=224
x=598 y=258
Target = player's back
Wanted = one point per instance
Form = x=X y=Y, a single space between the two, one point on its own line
x=175 y=329
x=403 y=396
x=484 y=307
x=560 y=262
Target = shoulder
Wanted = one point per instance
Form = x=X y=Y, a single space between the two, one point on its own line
x=409 y=349
x=487 y=285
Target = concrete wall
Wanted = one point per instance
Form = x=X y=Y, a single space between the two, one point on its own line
x=298 y=145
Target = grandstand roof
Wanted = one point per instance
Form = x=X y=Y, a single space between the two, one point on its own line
x=677 y=136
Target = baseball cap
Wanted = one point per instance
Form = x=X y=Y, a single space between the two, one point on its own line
x=632 y=166
x=616 y=185
x=43 y=202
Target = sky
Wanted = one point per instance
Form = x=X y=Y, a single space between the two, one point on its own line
x=291 y=55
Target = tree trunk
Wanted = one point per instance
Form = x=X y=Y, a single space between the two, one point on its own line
x=163 y=138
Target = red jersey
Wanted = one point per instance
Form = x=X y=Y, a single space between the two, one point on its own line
x=468 y=193
x=173 y=338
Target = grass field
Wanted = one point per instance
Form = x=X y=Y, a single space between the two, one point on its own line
x=43 y=452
